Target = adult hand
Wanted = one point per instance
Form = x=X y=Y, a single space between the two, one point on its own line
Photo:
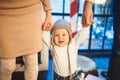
x=87 y=17
x=48 y=24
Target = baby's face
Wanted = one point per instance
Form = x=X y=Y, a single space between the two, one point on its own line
x=61 y=37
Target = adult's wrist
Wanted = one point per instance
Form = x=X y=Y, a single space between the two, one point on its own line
x=88 y=4
x=48 y=12
x=90 y=1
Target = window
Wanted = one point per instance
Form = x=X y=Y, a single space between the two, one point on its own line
x=101 y=32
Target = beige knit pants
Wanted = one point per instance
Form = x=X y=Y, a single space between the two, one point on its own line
x=7 y=67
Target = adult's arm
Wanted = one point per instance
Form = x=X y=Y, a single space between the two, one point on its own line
x=90 y=1
x=87 y=17
x=48 y=23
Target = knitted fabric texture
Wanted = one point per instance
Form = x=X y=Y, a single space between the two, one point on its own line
x=62 y=24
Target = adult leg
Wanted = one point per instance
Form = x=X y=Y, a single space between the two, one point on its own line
x=31 y=66
x=114 y=63
x=7 y=67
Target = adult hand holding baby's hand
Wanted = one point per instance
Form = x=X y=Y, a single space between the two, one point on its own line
x=48 y=24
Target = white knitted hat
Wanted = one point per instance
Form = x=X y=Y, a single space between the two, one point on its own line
x=62 y=24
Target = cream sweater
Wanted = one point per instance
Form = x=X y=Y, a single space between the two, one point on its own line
x=21 y=26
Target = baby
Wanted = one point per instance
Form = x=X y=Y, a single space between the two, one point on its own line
x=64 y=49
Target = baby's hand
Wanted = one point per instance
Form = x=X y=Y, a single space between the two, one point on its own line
x=47 y=26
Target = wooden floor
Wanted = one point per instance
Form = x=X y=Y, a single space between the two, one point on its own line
x=102 y=64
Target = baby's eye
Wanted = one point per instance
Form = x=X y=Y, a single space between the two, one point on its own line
x=56 y=35
x=64 y=34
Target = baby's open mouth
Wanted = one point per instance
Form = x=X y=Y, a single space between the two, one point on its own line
x=60 y=42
